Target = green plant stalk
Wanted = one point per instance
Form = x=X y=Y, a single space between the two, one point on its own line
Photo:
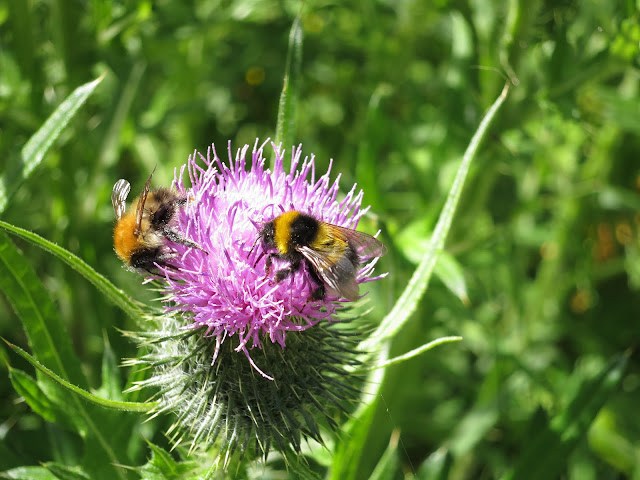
x=289 y=96
x=419 y=281
x=414 y=353
x=115 y=405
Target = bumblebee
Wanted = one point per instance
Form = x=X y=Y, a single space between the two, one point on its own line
x=142 y=230
x=334 y=253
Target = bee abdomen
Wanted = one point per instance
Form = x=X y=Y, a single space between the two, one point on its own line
x=352 y=254
x=145 y=257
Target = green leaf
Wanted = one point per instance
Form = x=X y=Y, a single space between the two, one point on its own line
x=346 y=457
x=108 y=289
x=97 y=430
x=28 y=473
x=346 y=460
x=555 y=441
x=436 y=466
x=290 y=87
x=35 y=149
x=28 y=388
x=162 y=466
x=371 y=147
x=64 y=472
x=112 y=143
x=450 y=272
x=413 y=240
x=388 y=463
x=419 y=281
x=110 y=387
x=50 y=344
x=31 y=302
x=115 y=405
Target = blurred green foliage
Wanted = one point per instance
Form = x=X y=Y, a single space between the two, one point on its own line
x=547 y=235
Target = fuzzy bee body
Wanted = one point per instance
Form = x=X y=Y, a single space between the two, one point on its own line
x=141 y=231
x=334 y=253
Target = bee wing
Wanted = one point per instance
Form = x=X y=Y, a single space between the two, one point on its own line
x=332 y=261
x=334 y=268
x=141 y=202
x=119 y=196
x=364 y=244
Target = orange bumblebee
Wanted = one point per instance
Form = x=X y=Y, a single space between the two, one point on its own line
x=141 y=231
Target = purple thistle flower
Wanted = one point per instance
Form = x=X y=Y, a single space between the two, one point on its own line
x=225 y=289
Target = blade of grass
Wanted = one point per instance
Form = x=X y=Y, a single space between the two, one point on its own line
x=388 y=463
x=21 y=22
x=415 y=352
x=112 y=142
x=35 y=149
x=115 y=405
x=291 y=83
x=111 y=385
x=33 y=305
x=347 y=455
x=110 y=146
x=436 y=466
x=104 y=286
x=47 y=335
x=419 y=281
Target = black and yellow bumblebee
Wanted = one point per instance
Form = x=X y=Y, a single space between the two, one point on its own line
x=334 y=253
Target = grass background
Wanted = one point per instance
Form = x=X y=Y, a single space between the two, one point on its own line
x=546 y=237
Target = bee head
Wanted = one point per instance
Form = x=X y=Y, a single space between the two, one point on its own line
x=267 y=234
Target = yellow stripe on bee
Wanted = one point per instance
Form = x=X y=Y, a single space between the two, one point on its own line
x=282 y=226
x=330 y=241
x=324 y=237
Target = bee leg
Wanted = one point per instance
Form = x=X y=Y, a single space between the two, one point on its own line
x=178 y=237
x=280 y=274
x=293 y=267
x=268 y=263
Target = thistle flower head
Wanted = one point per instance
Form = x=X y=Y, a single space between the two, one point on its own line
x=225 y=289
x=239 y=357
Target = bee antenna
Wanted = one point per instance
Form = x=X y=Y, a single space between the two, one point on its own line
x=251 y=252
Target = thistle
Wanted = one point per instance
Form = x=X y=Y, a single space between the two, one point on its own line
x=246 y=361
